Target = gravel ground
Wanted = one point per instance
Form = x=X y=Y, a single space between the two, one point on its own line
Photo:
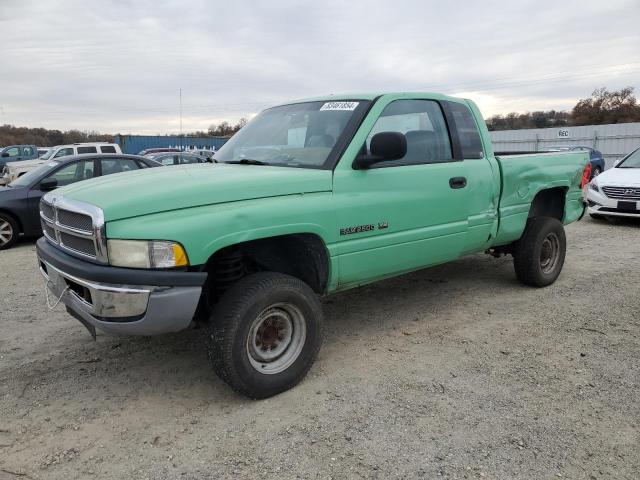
x=453 y=372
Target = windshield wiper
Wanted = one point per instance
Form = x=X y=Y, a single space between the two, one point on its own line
x=247 y=161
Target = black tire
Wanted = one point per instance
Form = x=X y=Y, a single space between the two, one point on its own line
x=595 y=216
x=236 y=342
x=538 y=256
x=9 y=231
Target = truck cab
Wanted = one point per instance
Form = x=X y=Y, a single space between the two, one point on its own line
x=17 y=153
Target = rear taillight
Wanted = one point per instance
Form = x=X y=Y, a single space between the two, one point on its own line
x=586 y=175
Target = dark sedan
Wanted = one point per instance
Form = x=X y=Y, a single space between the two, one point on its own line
x=19 y=201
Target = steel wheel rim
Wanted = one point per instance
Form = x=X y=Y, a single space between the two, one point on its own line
x=549 y=253
x=276 y=338
x=6 y=232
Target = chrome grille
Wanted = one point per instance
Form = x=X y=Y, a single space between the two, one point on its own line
x=48 y=230
x=75 y=227
x=47 y=211
x=622 y=193
x=75 y=220
x=77 y=244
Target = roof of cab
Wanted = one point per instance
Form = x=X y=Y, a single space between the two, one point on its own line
x=371 y=96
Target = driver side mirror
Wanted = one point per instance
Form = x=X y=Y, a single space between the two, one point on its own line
x=5 y=154
x=48 y=184
x=384 y=146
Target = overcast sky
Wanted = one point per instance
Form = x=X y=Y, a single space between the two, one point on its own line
x=116 y=65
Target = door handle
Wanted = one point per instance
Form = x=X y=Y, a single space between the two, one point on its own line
x=458 y=182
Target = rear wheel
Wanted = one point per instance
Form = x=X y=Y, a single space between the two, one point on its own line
x=265 y=334
x=538 y=256
x=8 y=231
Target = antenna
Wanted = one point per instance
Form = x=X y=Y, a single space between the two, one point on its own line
x=180 y=118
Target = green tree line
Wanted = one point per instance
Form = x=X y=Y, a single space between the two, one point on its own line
x=602 y=107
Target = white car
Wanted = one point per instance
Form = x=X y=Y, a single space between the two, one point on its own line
x=13 y=170
x=616 y=192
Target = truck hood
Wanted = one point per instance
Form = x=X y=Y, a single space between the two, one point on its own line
x=619 y=177
x=154 y=190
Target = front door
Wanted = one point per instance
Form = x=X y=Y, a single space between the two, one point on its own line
x=401 y=215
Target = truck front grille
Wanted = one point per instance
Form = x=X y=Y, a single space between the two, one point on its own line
x=74 y=227
x=75 y=220
x=81 y=245
x=622 y=193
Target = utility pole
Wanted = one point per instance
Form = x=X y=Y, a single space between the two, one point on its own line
x=181 y=142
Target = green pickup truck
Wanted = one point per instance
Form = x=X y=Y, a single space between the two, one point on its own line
x=310 y=198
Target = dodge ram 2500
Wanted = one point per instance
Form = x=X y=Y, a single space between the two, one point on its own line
x=310 y=198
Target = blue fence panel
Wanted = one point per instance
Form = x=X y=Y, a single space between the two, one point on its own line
x=136 y=143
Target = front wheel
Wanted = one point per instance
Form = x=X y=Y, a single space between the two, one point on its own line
x=265 y=334
x=8 y=231
x=538 y=256
x=595 y=172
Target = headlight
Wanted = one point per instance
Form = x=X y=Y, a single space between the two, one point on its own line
x=594 y=186
x=146 y=254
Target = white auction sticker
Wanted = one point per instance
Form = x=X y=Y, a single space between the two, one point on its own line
x=339 y=106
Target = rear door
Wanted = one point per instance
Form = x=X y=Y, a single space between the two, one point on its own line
x=403 y=214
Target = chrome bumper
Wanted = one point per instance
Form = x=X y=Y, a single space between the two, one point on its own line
x=123 y=309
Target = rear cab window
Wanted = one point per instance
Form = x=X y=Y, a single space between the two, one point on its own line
x=108 y=149
x=468 y=133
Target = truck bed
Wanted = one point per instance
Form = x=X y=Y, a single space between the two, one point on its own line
x=524 y=175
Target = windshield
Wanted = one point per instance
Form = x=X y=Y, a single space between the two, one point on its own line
x=632 y=161
x=28 y=178
x=300 y=135
x=48 y=155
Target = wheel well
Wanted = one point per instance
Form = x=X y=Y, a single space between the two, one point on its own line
x=549 y=203
x=301 y=255
x=15 y=218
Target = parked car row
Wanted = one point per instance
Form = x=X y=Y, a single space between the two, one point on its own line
x=20 y=199
x=28 y=159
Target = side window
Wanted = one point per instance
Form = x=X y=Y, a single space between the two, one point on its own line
x=189 y=159
x=423 y=124
x=82 y=150
x=172 y=160
x=63 y=152
x=13 y=152
x=73 y=172
x=27 y=151
x=467 y=131
x=117 y=165
x=108 y=149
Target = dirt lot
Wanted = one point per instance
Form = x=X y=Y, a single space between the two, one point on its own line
x=453 y=372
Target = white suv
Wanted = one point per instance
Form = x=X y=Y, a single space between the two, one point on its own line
x=13 y=170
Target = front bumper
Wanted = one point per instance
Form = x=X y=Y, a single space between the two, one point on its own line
x=121 y=301
x=600 y=204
